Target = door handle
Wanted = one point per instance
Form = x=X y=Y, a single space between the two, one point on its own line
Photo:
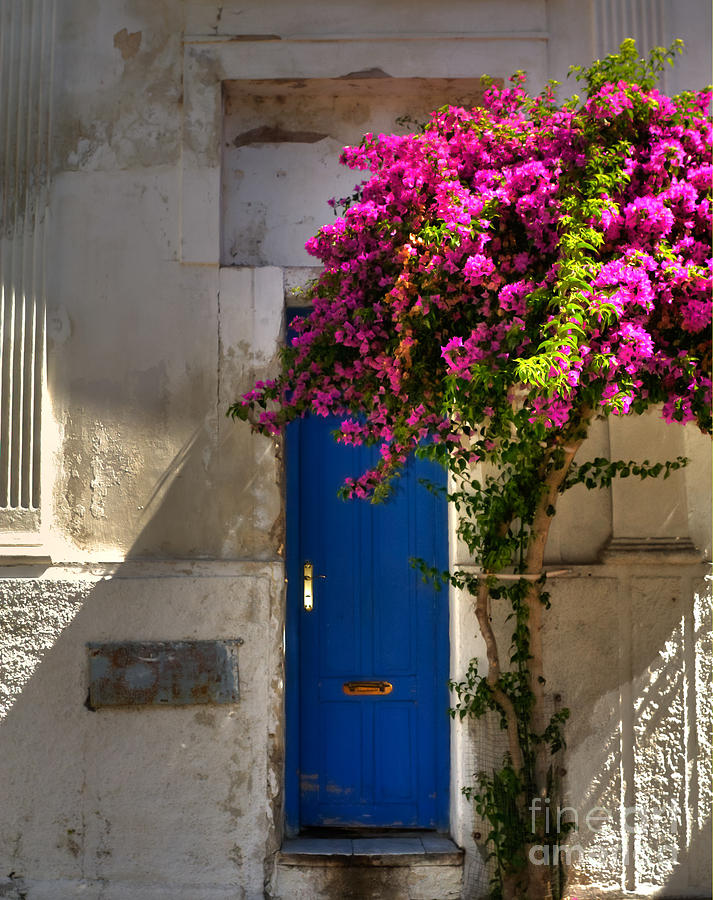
x=308 y=586
x=308 y=577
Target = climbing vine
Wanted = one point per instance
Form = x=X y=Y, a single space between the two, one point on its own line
x=505 y=276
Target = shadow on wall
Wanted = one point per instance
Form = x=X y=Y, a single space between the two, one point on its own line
x=171 y=798
x=167 y=796
x=177 y=797
x=638 y=755
x=220 y=499
x=629 y=648
x=217 y=496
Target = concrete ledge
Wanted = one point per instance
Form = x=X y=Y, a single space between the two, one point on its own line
x=647 y=550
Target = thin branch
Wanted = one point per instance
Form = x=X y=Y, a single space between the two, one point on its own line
x=501 y=698
x=529 y=576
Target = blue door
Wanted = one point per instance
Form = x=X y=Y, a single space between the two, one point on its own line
x=367 y=666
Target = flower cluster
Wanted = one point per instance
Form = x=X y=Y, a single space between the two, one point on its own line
x=504 y=269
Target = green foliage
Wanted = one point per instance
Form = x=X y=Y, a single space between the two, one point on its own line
x=627 y=65
x=496 y=504
x=600 y=472
x=496 y=800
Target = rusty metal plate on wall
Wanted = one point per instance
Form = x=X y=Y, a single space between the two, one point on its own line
x=163 y=673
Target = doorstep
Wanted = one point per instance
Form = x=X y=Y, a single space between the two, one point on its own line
x=392 y=867
x=423 y=850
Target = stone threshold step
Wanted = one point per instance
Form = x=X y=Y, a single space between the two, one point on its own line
x=421 y=850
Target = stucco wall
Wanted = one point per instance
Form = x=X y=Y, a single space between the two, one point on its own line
x=175 y=802
x=628 y=651
x=146 y=178
x=163 y=520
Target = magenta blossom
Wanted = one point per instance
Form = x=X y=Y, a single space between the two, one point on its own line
x=513 y=263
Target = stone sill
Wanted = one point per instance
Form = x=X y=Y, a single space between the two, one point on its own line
x=647 y=550
x=23 y=554
x=422 y=850
x=660 y=893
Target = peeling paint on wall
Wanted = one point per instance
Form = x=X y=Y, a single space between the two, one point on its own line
x=106 y=130
x=282 y=140
x=127 y=44
x=374 y=72
x=277 y=135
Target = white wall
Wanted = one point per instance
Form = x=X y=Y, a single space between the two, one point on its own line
x=164 y=521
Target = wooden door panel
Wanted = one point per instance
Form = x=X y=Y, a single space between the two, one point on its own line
x=375 y=760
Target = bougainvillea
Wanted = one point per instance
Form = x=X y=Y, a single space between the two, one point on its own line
x=505 y=275
x=560 y=253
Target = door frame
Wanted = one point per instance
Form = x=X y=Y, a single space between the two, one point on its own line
x=292 y=665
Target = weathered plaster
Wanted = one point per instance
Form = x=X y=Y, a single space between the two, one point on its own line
x=175 y=798
x=276 y=180
x=149 y=340
x=638 y=740
x=640 y=438
x=415 y=882
x=144 y=437
x=107 y=55
x=368 y=16
x=127 y=44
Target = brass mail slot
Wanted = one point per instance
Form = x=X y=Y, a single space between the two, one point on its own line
x=367 y=687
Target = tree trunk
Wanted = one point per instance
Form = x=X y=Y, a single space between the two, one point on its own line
x=539 y=882
x=515 y=886
x=540 y=875
x=535 y=882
